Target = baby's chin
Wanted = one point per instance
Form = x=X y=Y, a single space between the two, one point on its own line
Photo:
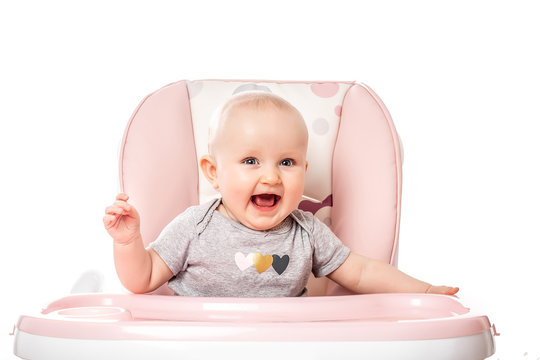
x=262 y=224
x=260 y=227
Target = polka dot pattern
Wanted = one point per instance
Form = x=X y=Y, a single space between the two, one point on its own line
x=325 y=90
x=251 y=87
x=320 y=126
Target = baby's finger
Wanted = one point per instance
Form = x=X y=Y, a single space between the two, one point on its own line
x=114 y=210
x=443 y=290
x=448 y=290
x=124 y=205
x=452 y=290
x=109 y=220
x=122 y=196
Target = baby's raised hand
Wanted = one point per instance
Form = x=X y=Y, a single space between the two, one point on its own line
x=122 y=220
x=443 y=290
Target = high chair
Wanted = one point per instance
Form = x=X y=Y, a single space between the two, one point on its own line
x=353 y=184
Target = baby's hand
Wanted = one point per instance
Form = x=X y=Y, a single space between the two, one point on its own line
x=443 y=290
x=122 y=221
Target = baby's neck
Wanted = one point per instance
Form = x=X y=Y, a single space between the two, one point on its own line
x=223 y=210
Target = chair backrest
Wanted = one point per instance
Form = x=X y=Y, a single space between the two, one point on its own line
x=353 y=183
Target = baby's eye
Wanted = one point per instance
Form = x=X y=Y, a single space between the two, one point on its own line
x=250 y=161
x=287 y=162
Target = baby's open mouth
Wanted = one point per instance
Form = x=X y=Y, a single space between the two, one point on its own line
x=265 y=200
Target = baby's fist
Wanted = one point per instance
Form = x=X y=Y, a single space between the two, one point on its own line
x=122 y=220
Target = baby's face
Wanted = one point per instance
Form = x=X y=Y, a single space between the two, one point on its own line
x=261 y=165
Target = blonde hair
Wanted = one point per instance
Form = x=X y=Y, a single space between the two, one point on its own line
x=253 y=99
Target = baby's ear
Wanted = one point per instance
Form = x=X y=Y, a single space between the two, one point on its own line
x=209 y=169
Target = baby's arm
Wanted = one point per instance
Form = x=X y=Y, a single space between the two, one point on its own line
x=364 y=275
x=138 y=269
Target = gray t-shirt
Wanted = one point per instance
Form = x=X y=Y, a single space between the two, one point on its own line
x=212 y=255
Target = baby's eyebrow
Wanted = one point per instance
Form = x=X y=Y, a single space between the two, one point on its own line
x=291 y=155
x=251 y=153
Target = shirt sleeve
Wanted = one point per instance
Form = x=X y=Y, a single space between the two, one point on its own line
x=328 y=250
x=174 y=240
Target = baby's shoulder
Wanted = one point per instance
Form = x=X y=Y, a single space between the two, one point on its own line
x=304 y=218
x=195 y=215
x=310 y=222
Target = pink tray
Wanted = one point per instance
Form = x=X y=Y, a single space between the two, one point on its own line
x=336 y=318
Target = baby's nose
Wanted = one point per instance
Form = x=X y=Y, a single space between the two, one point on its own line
x=270 y=176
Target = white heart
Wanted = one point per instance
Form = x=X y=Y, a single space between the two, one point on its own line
x=243 y=262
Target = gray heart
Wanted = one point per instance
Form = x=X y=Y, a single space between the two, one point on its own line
x=280 y=263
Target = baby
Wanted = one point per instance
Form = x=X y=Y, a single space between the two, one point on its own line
x=252 y=241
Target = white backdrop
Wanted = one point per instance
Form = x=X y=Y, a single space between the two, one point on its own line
x=461 y=80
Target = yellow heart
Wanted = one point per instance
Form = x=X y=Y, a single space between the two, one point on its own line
x=261 y=262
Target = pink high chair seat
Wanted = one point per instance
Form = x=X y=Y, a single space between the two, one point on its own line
x=354 y=178
x=353 y=184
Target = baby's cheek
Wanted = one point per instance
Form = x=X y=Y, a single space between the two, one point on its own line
x=294 y=193
x=237 y=189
